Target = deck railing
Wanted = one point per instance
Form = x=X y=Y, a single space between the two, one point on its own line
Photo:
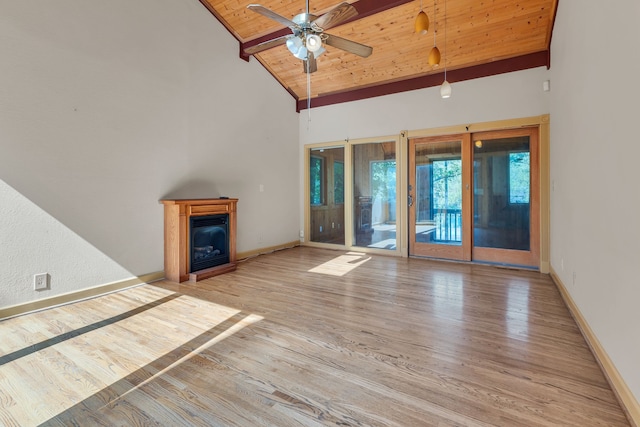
x=448 y=224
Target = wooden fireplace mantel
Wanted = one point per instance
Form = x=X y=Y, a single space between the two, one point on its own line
x=177 y=213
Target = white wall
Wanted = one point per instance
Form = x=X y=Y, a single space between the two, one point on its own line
x=506 y=96
x=594 y=170
x=107 y=107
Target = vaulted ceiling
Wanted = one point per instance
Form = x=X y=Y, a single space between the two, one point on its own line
x=476 y=38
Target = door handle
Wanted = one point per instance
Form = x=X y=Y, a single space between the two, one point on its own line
x=410 y=202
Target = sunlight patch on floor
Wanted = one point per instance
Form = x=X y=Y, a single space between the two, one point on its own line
x=342 y=264
x=119 y=352
x=248 y=320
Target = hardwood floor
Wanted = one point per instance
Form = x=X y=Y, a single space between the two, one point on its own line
x=310 y=337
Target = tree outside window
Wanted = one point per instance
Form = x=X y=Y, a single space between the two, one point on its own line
x=316 y=180
x=519 y=177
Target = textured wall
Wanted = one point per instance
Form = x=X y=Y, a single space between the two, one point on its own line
x=505 y=96
x=594 y=171
x=106 y=107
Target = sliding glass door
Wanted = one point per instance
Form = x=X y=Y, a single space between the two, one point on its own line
x=470 y=196
x=352 y=195
x=498 y=221
x=506 y=190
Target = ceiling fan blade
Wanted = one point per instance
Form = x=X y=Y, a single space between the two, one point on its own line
x=310 y=65
x=272 y=15
x=266 y=45
x=335 y=16
x=348 y=45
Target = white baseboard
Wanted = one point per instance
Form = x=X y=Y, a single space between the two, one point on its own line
x=18 y=309
x=626 y=398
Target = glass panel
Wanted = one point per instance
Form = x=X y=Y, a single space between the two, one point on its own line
x=338 y=182
x=501 y=185
x=316 y=167
x=326 y=195
x=439 y=193
x=374 y=169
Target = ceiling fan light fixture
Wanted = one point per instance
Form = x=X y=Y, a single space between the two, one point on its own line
x=302 y=53
x=309 y=37
x=434 y=56
x=294 y=44
x=445 y=90
x=297 y=48
x=422 y=23
x=314 y=42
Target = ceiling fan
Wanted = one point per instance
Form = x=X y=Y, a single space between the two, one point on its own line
x=306 y=42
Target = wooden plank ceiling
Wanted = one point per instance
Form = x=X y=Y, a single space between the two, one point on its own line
x=483 y=37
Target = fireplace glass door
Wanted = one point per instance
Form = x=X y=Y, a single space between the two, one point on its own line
x=209 y=241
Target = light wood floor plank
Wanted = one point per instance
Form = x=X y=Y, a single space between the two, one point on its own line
x=310 y=337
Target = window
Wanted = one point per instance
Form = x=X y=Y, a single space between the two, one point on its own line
x=447 y=184
x=383 y=185
x=316 y=180
x=519 y=166
x=326 y=195
x=338 y=182
x=374 y=190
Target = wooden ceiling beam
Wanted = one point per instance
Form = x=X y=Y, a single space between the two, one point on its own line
x=365 y=8
x=518 y=63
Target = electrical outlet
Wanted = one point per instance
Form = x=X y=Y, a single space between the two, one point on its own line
x=301 y=234
x=40 y=281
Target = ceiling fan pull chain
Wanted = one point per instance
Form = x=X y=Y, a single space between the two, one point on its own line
x=308 y=97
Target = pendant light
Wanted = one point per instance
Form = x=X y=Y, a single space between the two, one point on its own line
x=434 y=54
x=422 y=21
x=445 y=89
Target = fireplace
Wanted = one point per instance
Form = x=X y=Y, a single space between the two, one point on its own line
x=199 y=238
x=209 y=241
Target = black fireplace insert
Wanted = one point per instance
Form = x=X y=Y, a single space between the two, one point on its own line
x=209 y=241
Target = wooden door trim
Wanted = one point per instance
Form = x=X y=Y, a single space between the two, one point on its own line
x=467 y=198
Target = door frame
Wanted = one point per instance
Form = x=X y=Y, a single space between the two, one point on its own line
x=543 y=123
